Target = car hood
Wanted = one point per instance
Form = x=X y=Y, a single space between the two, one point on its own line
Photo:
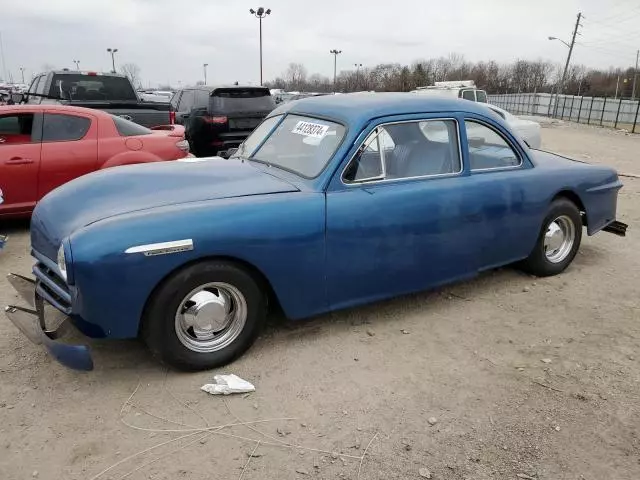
x=127 y=189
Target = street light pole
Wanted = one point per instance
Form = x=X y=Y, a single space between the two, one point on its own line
x=77 y=62
x=204 y=66
x=113 y=51
x=260 y=14
x=335 y=54
x=22 y=73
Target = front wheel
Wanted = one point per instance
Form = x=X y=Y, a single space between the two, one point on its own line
x=204 y=316
x=558 y=241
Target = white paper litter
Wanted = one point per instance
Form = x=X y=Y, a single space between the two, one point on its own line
x=226 y=384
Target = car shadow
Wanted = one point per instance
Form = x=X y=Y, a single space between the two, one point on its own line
x=280 y=333
x=8 y=227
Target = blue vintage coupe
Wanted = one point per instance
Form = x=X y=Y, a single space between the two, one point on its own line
x=331 y=202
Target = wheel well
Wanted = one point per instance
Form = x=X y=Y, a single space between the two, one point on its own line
x=575 y=199
x=272 y=299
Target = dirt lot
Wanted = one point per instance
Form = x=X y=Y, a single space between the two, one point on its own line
x=503 y=377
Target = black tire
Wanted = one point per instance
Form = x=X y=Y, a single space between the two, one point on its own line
x=538 y=263
x=159 y=330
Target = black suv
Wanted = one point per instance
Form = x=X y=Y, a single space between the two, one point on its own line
x=219 y=118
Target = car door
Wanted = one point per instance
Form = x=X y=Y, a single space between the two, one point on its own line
x=396 y=219
x=69 y=148
x=20 y=150
x=505 y=218
x=184 y=107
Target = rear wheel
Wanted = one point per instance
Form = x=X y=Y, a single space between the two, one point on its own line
x=558 y=241
x=204 y=316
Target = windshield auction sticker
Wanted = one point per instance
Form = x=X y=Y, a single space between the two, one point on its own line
x=309 y=129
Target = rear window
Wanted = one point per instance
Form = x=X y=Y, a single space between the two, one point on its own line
x=129 y=129
x=92 y=88
x=226 y=100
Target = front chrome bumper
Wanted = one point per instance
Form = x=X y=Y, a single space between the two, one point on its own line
x=31 y=322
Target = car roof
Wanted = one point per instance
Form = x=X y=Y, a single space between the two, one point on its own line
x=211 y=88
x=55 y=108
x=88 y=73
x=354 y=108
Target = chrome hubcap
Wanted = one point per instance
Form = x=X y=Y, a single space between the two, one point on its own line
x=210 y=317
x=559 y=238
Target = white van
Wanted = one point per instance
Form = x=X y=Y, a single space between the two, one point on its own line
x=458 y=88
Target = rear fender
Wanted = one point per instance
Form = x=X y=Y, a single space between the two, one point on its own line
x=130 y=158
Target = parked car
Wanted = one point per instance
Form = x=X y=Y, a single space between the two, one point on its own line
x=110 y=92
x=528 y=130
x=465 y=89
x=44 y=146
x=217 y=119
x=307 y=216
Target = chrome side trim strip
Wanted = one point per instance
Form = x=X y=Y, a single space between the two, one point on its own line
x=162 y=248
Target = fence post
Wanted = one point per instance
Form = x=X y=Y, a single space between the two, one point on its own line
x=635 y=120
x=531 y=95
x=573 y=99
x=549 y=108
x=564 y=103
x=604 y=106
x=590 y=108
x=618 y=113
x=580 y=108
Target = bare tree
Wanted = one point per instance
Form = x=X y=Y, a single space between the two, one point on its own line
x=132 y=72
x=296 y=76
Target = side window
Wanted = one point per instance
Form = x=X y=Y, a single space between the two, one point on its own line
x=175 y=100
x=481 y=96
x=41 y=85
x=34 y=84
x=406 y=150
x=469 y=95
x=16 y=129
x=488 y=149
x=186 y=101
x=367 y=165
x=60 y=128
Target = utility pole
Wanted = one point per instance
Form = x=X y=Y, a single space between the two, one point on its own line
x=617 y=87
x=204 y=66
x=335 y=54
x=566 y=65
x=358 y=66
x=22 y=73
x=635 y=77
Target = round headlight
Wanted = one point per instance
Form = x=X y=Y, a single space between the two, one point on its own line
x=62 y=262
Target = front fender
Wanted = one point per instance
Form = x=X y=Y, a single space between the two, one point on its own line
x=281 y=235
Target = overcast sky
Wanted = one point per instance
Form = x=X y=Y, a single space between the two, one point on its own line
x=170 y=39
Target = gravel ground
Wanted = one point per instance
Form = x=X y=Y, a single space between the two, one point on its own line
x=503 y=377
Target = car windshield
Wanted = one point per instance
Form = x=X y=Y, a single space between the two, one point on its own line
x=300 y=144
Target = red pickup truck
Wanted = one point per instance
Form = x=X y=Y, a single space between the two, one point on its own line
x=44 y=146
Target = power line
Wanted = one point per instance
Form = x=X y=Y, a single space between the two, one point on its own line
x=615 y=16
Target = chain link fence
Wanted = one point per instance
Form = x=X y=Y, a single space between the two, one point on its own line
x=603 y=111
